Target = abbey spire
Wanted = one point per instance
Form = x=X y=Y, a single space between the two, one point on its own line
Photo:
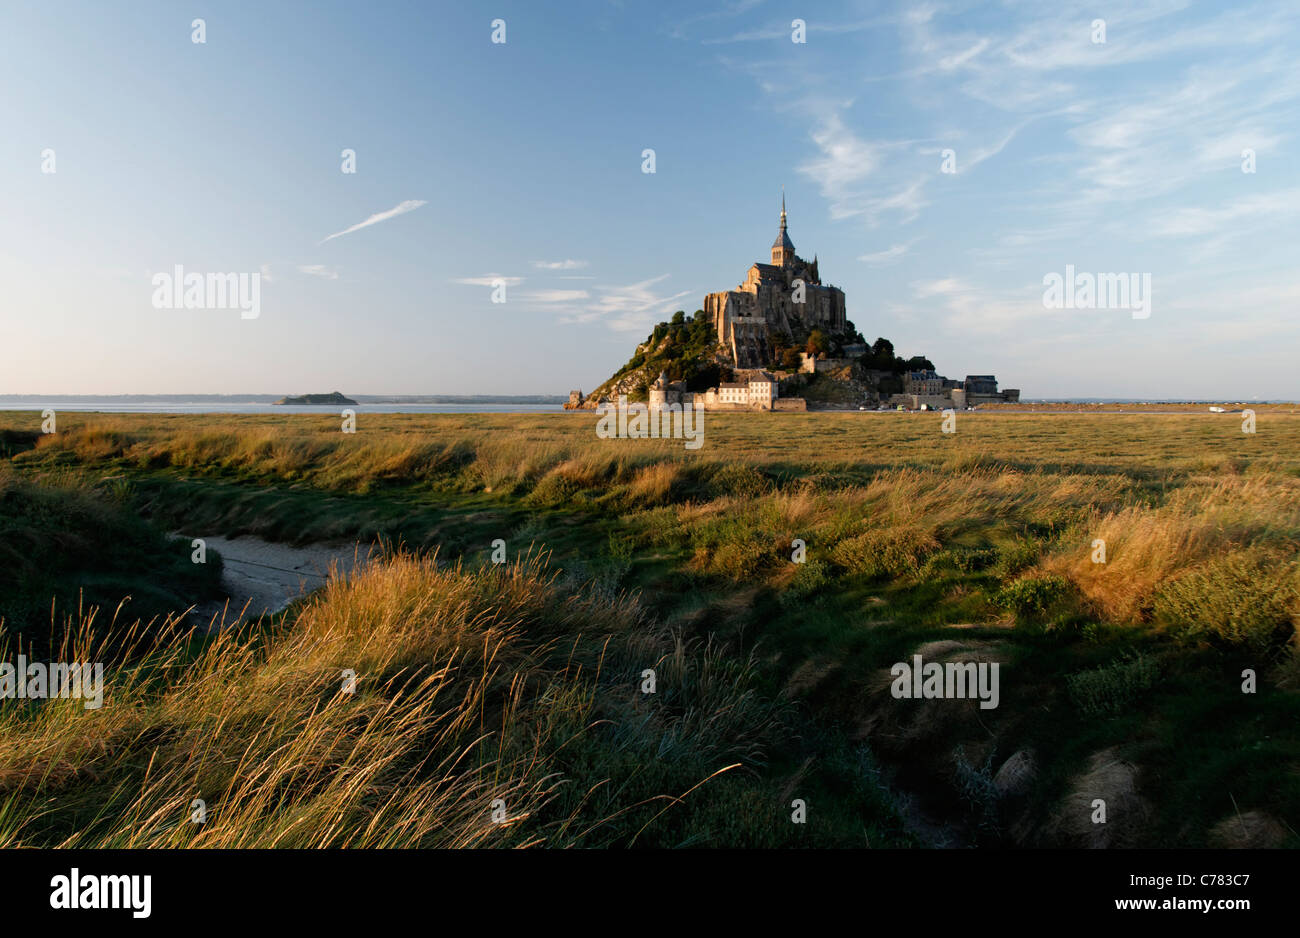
x=782 y=247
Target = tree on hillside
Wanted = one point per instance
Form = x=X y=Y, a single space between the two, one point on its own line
x=704 y=377
x=891 y=384
x=817 y=344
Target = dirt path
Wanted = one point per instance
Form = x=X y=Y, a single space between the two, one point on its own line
x=262 y=577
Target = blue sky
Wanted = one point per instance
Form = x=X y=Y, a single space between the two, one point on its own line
x=1122 y=156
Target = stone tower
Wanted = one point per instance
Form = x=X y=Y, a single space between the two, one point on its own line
x=782 y=247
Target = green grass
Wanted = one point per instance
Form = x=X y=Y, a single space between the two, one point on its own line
x=982 y=541
x=69 y=544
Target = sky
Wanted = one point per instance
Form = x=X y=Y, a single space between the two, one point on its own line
x=942 y=161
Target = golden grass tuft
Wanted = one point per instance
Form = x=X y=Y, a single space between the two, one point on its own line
x=463 y=696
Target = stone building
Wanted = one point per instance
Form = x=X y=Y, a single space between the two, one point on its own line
x=664 y=392
x=762 y=391
x=730 y=392
x=775 y=298
x=981 y=385
x=755 y=390
x=983 y=389
x=925 y=383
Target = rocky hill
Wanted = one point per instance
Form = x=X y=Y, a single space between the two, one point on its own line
x=687 y=350
x=684 y=350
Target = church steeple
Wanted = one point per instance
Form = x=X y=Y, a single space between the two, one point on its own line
x=782 y=247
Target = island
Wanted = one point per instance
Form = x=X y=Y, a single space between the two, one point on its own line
x=782 y=341
x=334 y=397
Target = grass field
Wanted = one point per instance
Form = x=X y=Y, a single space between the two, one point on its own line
x=523 y=683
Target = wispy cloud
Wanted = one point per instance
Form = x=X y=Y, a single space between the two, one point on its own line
x=726 y=11
x=401 y=208
x=1242 y=216
x=630 y=308
x=489 y=280
x=554 y=296
x=845 y=174
x=319 y=270
x=560 y=265
x=1144 y=131
x=783 y=30
x=887 y=256
x=846 y=159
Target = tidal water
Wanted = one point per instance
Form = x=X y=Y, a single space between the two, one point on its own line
x=117 y=406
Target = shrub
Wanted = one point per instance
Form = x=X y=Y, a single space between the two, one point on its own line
x=973 y=559
x=963 y=559
x=738 y=559
x=1039 y=599
x=808 y=580
x=941 y=561
x=1108 y=689
x=1238 y=599
x=890 y=552
x=660 y=526
x=1017 y=556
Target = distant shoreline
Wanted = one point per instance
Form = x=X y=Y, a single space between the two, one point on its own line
x=243 y=405
x=272 y=398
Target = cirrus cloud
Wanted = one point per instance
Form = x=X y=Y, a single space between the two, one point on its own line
x=401 y=208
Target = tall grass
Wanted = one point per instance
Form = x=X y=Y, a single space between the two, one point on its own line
x=1189 y=489
x=909 y=533
x=474 y=690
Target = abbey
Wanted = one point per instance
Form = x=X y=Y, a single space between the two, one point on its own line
x=784 y=297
